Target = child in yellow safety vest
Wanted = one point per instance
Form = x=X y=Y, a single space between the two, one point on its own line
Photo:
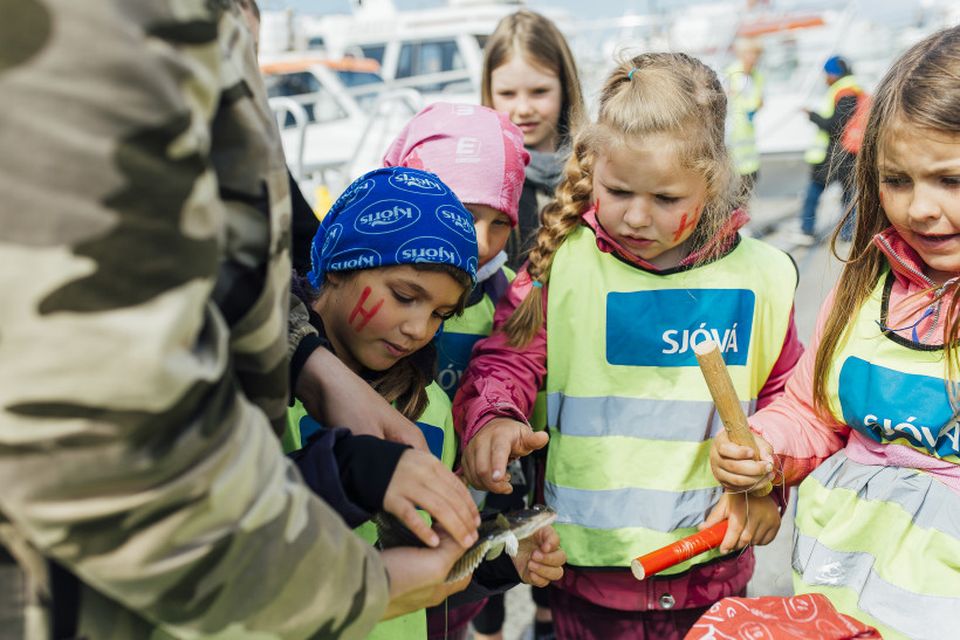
x=868 y=422
x=395 y=257
x=480 y=155
x=642 y=258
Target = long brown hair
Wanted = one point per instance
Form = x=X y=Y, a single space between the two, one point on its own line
x=922 y=89
x=405 y=383
x=538 y=40
x=654 y=93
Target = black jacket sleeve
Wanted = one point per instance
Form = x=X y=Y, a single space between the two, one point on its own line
x=835 y=124
x=491 y=577
x=303 y=227
x=351 y=473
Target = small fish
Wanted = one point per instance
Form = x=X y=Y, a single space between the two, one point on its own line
x=497 y=532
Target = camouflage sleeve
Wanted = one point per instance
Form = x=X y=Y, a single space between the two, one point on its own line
x=299 y=325
x=135 y=440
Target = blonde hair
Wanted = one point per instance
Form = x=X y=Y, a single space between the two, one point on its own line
x=654 y=93
x=922 y=89
x=538 y=40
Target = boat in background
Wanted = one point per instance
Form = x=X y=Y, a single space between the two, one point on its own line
x=332 y=130
x=436 y=54
x=336 y=117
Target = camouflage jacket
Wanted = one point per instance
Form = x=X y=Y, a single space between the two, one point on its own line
x=143 y=334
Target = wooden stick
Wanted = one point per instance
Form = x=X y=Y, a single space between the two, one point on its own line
x=728 y=404
x=673 y=554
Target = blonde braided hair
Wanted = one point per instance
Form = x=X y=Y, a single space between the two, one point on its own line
x=654 y=93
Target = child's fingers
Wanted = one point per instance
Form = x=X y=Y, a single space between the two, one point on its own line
x=530 y=441
x=729 y=542
x=550 y=544
x=747 y=537
x=766 y=449
x=407 y=514
x=551 y=558
x=736 y=481
x=539 y=574
x=735 y=523
x=476 y=461
x=448 y=484
x=479 y=463
x=732 y=451
x=499 y=456
x=754 y=468
x=766 y=536
x=452 y=514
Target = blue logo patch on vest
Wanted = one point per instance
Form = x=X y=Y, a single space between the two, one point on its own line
x=886 y=405
x=308 y=426
x=453 y=355
x=659 y=328
x=434 y=436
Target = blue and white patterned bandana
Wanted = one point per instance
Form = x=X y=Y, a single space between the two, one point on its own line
x=394 y=216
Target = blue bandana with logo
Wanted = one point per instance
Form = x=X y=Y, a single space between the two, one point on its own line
x=392 y=216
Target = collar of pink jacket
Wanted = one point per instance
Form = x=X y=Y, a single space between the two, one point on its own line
x=906 y=263
x=607 y=244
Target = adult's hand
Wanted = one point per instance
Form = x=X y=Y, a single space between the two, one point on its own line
x=337 y=397
x=420 y=480
x=417 y=576
x=486 y=456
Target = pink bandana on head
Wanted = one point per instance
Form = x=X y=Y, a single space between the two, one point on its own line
x=476 y=151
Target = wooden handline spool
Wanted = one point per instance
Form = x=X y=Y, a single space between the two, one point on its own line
x=728 y=404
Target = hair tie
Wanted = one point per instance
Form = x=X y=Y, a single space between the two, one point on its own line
x=537 y=284
x=632 y=71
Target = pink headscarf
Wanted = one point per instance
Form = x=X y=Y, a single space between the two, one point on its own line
x=476 y=151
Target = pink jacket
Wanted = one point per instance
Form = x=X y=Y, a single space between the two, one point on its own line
x=502 y=381
x=801 y=438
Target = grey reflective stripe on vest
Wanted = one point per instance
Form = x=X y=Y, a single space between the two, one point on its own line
x=914 y=491
x=664 y=511
x=926 y=616
x=916 y=615
x=674 y=420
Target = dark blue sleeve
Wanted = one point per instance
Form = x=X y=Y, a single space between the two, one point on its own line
x=491 y=577
x=351 y=473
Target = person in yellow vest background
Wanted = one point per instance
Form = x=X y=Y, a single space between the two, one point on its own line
x=868 y=424
x=830 y=161
x=744 y=86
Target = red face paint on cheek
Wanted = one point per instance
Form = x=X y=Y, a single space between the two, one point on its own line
x=365 y=314
x=685 y=224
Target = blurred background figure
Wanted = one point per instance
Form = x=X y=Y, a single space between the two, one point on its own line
x=831 y=156
x=744 y=85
